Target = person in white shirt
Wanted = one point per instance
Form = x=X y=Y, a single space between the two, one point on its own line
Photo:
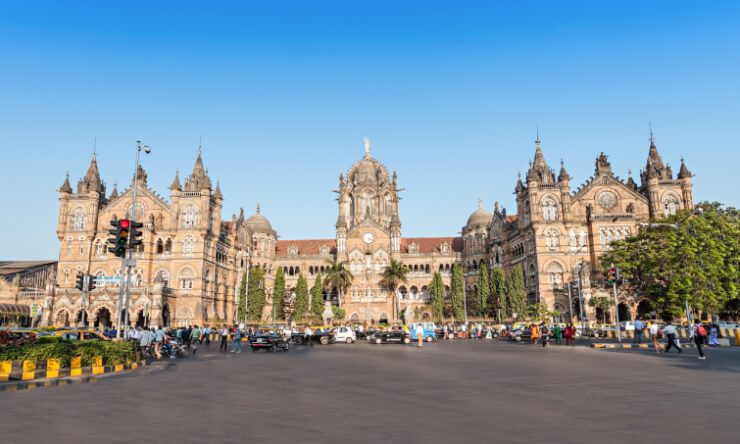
x=654 y=330
x=670 y=333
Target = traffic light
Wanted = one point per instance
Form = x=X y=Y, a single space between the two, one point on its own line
x=121 y=240
x=612 y=276
x=91 y=283
x=136 y=234
x=80 y=281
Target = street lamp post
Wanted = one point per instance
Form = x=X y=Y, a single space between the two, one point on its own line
x=130 y=262
x=578 y=286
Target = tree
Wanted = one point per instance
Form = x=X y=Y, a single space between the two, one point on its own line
x=256 y=298
x=317 y=299
x=687 y=256
x=339 y=313
x=538 y=312
x=498 y=292
x=301 y=297
x=602 y=303
x=517 y=291
x=394 y=275
x=437 y=296
x=483 y=291
x=339 y=277
x=242 y=299
x=457 y=292
x=278 y=295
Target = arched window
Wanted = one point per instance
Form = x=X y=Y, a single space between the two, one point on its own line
x=671 y=204
x=413 y=293
x=186 y=279
x=165 y=277
x=403 y=292
x=190 y=216
x=136 y=279
x=99 y=247
x=66 y=275
x=555 y=274
x=78 y=218
x=160 y=246
x=549 y=208
x=188 y=244
x=582 y=238
x=168 y=246
x=552 y=238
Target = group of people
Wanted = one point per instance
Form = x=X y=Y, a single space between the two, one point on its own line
x=158 y=339
x=544 y=333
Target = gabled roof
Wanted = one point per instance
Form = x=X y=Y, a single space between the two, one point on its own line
x=305 y=246
x=431 y=244
x=605 y=180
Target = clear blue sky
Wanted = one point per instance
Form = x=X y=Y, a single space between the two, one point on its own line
x=449 y=93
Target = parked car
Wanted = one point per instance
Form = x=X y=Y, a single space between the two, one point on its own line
x=430 y=331
x=344 y=334
x=268 y=340
x=393 y=335
x=320 y=335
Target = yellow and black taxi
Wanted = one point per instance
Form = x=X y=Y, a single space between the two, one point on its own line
x=81 y=335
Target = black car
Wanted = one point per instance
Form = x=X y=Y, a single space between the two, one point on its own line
x=520 y=334
x=268 y=341
x=320 y=336
x=394 y=335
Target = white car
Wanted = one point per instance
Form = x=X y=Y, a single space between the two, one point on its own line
x=345 y=334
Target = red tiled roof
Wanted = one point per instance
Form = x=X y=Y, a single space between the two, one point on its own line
x=431 y=244
x=305 y=246
x=227 y=225
x=511 y=218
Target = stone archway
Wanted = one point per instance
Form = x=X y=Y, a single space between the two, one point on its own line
x=166 y=315
x=643 y=309
x=61 y=319
x=624 y=312
x=140 y=319
x=102 y=318
x=383 y=318
x=78 y=318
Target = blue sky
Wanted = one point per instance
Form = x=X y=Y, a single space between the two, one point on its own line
x=282 y=93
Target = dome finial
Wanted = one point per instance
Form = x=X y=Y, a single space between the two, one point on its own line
x=367 y=146
x=480 y=203
x=258 y=208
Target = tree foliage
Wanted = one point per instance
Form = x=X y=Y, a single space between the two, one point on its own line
x=517 y=291
x=498 y=292
x=278 y=295
x=457 y=292
x=301 y=297
x=339 y=313
x=394 y=275
x=242 y=299
x=317 y=299
x=684 y=256
x=602 y=303
x=338 y=277
x=483 y=292
x=256 y=294
x=437 y=296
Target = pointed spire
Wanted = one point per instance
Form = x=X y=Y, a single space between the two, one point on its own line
x=176 y=182
x=394 y=176
x=341 y=177
x=563 y=176
x=141 y=177
x=92 y=177
x=217 y=194
x=684 y=172
x=519 y=184
x=258 y=208
x=114 y=193
x=66 y=187
x=495 y=207
x=198 y=179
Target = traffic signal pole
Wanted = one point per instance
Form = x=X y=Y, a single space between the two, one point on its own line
x=132 y=220
x=616 y=305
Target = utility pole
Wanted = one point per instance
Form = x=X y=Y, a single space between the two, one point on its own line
x=616 y=302
x=570 y=303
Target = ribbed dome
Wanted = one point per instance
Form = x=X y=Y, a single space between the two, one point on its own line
x=257 y=223
x=481 y=216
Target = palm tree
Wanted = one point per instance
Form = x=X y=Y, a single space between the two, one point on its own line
x=338 y=276
x=393 y=276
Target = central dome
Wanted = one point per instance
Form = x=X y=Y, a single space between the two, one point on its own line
x=368 y=172
x=257 y=223
x=481 y=217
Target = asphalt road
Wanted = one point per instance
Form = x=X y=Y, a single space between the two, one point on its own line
x=464 y=391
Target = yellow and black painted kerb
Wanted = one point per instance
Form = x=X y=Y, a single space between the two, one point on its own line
x=21 y=375
x=650 y=345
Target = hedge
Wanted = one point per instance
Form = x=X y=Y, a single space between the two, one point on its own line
x=112 y=352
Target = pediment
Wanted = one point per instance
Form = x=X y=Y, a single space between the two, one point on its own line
x=606 y=180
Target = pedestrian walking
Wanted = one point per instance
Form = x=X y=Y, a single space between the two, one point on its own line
x=699 y=334
x=236 y=343
x=224 y=338
x=144 y=340
x=557 y=334
x=545 y=334
x=639 y=327
x=420 y=333
x=570 y=334
x=655 y=331
x=158 y=339
x=535 y=333
x=195 y=336
x=670 y=333
x=713 y=335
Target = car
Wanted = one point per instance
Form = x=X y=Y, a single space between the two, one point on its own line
x=393 y=335
x=81 y=335
x=724 y=324
x=344 y=334
x=520 y=334
x=430 y=331
x=320 y=335
x=268 y=340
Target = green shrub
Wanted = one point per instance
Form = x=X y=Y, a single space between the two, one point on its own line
x=112 y=352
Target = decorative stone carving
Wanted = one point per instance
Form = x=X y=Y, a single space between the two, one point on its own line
x=328 y=314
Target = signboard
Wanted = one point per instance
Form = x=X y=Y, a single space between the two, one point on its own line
x=35 y=310
x=513 y=315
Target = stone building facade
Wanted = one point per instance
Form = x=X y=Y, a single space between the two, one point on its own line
x=189 y=267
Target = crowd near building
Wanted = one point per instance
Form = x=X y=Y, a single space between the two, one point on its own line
x=189 y=266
